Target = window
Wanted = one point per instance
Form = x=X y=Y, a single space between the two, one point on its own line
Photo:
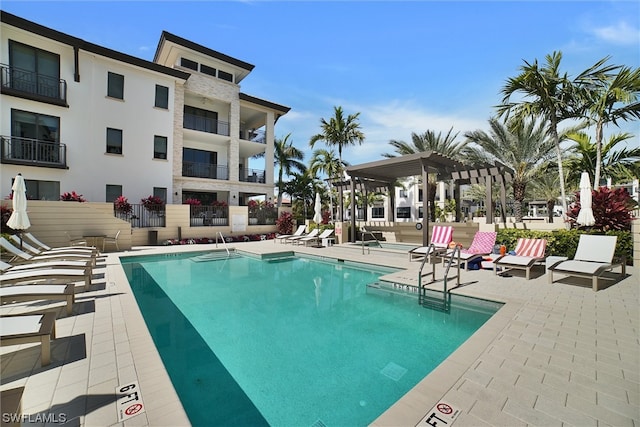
x=114 y=141
x=199 y=119
x=207 y=70
x=159 y=147
x=42 y=190
x=115 y=85
x=225 y=76
x=200 y=163
x=403 y=212
x=162 y=97
x=187 y=63
x=420 y=212
x=377 y=212
x=33 y=70
x=36 y=126
x=112 y=192
x=403 y=193
x=160 y=192
x=420 y=197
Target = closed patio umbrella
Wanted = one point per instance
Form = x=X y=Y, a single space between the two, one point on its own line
x=317 y=210
x=585 y=216
x=19 y=220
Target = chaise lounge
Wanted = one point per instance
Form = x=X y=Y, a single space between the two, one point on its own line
x=441 y=236
x=529 y=252
x=593 y=258
x=25 y=329
x=19 y=293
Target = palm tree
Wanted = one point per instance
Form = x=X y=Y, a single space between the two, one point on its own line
x=430 y=141
x=609 y=100
x=339 y=131
x=547 y=93
x=325 y=161
x=546 y=186
x=301 y=187
x=520 y=145
x=288 y=158
x=620 y=165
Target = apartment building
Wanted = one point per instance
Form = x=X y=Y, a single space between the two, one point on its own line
x=81 y=117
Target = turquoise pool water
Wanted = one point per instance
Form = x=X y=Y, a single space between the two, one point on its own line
x=290 y=342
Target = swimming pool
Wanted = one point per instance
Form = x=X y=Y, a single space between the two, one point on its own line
x=291 y=341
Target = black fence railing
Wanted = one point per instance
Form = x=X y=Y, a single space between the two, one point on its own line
x=252 y=175
x=33 y=152
x=205 y=170
x=209 y=216
x=263 y=215
x=19 y=81
x=142 y=217
x=205 y=124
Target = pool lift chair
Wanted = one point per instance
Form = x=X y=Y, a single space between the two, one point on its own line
x=430 y=298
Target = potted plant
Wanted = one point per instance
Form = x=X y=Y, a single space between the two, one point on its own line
x=152 y=203
x=254 y=207
x=72 y=197
x=220 y=212
x=122 y=207
x=196 y=215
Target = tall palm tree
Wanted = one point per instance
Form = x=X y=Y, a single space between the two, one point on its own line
x=288 y=158
x=325 y=161
x=620 y=165
x=430 y=141
x=339 y=131
x=520 y=145
x=609 y=99
x=545 y=92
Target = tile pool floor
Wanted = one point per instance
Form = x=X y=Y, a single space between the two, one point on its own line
x=556 y=354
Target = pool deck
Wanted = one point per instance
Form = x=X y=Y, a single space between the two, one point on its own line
x=558 y=354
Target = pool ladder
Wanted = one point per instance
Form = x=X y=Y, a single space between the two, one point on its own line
x=428 y=298
x=364 y=231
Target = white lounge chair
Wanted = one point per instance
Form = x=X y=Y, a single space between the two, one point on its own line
x=481 y=246
x=26 y=329
x=26 y=246
x=19 y=293
x=315 y=239
x=594 y=257
x=38 y=244
x=298 y=232
x=441 y=236
x=54 y=273
x=76 y=265
x=20 y=255
x=312 y=233
x=528 y=253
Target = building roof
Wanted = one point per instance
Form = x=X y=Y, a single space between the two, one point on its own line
x=264 y=103
x=32 y=27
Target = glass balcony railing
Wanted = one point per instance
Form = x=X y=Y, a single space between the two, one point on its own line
x=205 y=124
x=33 y=152
x=252 y=175
x=33 y=85
x=205 y=170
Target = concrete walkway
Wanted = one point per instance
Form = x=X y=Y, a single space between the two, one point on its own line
x=554 y=354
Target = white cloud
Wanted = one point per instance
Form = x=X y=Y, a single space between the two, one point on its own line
x=619 y=33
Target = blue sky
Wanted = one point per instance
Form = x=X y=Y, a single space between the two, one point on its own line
x=406 y=66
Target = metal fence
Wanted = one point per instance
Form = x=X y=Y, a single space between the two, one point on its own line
x=143 y=217
x=202 y=216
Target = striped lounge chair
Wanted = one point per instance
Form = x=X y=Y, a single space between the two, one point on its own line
x=528 y=253
x=441 y=236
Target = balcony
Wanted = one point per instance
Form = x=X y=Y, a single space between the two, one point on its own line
x=205 y=170
x=33 y=152
x=205 y=124
x=31 y=85
x=252 y=175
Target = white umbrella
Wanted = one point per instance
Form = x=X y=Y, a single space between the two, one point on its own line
x=585 y=216
x=19 y=220
x=317 y=210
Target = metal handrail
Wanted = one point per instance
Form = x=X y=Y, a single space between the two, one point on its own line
x=422 y=296
x=364 y=231
x=224 y=242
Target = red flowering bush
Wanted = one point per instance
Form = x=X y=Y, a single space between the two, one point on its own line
x=285 y=223
x=72 y=197
x=122 y=205
x=192 y=202
x=611 y=209
x=219 y=203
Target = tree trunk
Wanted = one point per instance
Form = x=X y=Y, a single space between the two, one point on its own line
x=596 y=179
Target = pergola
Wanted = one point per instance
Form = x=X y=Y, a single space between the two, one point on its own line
x=383 y=174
